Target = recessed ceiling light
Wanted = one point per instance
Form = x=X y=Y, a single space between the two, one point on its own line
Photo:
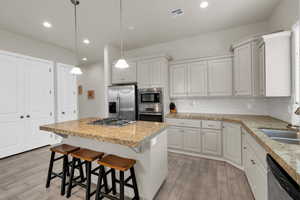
x=86 y=41
x=84 y=59
x=131 y=28
x=204 y=4
x=47 y=24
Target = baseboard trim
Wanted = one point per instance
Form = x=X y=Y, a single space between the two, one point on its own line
x=206 y=157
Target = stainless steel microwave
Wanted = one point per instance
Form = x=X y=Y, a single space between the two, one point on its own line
x=150 y=95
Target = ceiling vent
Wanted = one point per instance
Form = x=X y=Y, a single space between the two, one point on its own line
x=176 y=12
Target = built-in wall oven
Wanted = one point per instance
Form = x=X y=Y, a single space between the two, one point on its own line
x=150 y=104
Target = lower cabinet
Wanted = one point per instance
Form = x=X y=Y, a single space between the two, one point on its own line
x=175 y=138
x=192 y=140
x=211 y=142
x=232 y=142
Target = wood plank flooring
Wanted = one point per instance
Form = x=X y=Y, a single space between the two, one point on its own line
x=22 y=177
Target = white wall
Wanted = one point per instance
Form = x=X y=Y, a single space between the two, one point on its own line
x=24 y=45
x=92 y=79
x=210 y=44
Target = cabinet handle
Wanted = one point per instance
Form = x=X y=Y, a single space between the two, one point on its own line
x=22 y=117
x=28 y=116
x=253 y=162
x=63 y=113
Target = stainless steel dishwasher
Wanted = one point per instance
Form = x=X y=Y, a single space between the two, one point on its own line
x=280 y=185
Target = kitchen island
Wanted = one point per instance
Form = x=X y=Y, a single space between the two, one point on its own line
x=145 y=142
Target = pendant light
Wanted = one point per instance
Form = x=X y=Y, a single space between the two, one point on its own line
x=76 y=70
x=121 y=63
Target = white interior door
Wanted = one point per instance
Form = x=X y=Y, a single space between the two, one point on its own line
x=66 y=94
x=39 y=101
x=11 y=106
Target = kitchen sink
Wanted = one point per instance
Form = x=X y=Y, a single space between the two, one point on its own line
x=284 y=136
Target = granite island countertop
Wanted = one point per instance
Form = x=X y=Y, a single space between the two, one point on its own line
x=287 y=155
x=131 y=135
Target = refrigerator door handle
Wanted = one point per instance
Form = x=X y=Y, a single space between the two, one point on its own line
x=118 y=104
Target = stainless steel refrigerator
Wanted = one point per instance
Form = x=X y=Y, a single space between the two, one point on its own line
x=122 y=100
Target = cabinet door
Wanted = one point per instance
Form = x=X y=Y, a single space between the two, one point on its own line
x=66 y=94
x=211 y=142
x=220 y=77
x=144 y=74
x=232 y=143
x=262 y=70
x=178 y=80
x=157 y=74
x=175 y=138
x=127 y=75
x=197 y=79
x=243 y=70
x=39 y=101
x=11 y=106
x=192 y=140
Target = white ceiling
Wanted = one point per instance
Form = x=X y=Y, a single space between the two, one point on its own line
x=99 y=20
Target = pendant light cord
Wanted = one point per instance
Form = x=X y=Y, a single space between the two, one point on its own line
x=75 y=3
x=121 y=29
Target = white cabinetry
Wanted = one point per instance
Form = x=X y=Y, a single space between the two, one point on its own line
x=27 y=102
x=220 y=77
x=211 y=142
x=178 y=80
x=192 y=140
x=232 y=142
x=197 y=79
x=175 y=138
x=256 y=167
x=275 y=65
x=66 y=93
x=152 y=73
x=246 y=69
x=127 y=75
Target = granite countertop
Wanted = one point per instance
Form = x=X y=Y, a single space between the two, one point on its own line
x=287 y=155
x=132 y=135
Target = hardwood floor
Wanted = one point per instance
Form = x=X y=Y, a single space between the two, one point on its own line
x=22 y=177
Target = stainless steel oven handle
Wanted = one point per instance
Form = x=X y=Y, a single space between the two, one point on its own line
x=147 y=113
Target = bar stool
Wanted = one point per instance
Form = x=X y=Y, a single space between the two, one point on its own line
x=122 y=164
x=65 y=150
x=87 y=156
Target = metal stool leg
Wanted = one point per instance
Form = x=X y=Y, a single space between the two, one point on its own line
x=80 y=170
x=50 y=169
x=99 y=182
x=134 y=183
x=71 y=178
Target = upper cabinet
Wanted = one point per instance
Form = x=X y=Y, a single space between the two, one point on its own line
x=275 y=65
x=246 y=69
x=152 y=73
x=210 y=77
x=197 y=79
x=127 y=75
x=220 y=77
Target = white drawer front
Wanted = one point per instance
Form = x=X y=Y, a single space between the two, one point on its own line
x=208 y=124
x=184 y=122
x=258 y=149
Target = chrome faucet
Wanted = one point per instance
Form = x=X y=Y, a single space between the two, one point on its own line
x=295 y=127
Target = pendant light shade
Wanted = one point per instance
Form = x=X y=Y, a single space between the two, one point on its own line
x=76 y=70
x=121 y=63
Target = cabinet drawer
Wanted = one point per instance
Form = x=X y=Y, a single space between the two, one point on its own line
x=211 y=124
x=184 y=122
x=257 y=148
